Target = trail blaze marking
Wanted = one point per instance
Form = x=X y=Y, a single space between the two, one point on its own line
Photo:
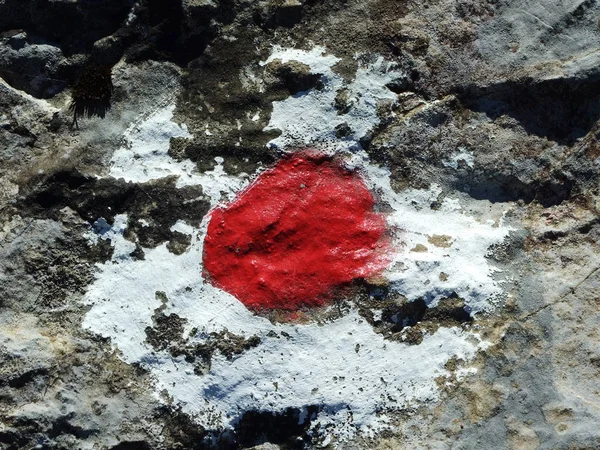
x=303 y=229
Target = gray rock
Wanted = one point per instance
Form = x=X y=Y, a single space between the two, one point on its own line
x=524 y=33
x=499 y=108
x=32 y=68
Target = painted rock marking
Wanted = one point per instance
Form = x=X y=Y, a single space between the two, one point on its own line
x=302 y=230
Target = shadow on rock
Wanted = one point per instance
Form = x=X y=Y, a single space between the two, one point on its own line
x=561 y=110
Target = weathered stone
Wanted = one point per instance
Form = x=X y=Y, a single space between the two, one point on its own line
x=492 y=106
x=32 y=68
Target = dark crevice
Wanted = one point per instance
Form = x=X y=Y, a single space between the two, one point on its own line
x=132 y=445
x=152 y=208
x=407 y=315
x=289 y=429
x=396 y=313
x=284 y=428
x=164 y=31
x=284 y=15
x=13 y=440
x=73 y=26
x=552 y=236
x=26 y=378
x=62 y=426
x=561 y=110
x=585 y=229
x=181 y=430
x=451 y=309
x=500 y=187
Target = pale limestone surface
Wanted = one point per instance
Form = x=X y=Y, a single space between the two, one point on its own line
x=489 y=107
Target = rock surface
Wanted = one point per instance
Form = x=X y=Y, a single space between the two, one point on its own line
x=473 y=123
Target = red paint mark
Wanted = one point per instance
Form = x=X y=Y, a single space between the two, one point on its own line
x=302 y=230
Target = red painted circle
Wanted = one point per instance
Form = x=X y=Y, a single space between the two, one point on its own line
x=303 y=229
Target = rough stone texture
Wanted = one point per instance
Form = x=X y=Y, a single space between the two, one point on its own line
x=30 y=67
x=501 y=103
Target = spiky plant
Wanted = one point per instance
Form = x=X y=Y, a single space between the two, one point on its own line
x=92 y=93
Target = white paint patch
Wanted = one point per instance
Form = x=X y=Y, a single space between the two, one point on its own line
x=462 y=155
x=295 y=365
x=318 y=364
x=145 y=156
x=309 y=118
x=441 y=251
